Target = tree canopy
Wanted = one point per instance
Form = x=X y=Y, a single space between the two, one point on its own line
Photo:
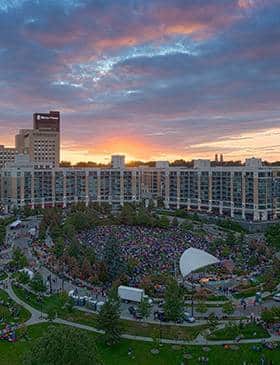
x=174 y=302
x=63 y=346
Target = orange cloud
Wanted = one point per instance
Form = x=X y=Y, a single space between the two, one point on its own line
x=245 y=3
x=164 y=21
x=184 y=28
x=134 y=148
x=116 y=42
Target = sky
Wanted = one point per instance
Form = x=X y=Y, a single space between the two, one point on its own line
x=160 y=79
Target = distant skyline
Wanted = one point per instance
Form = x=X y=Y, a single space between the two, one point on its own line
x=161 y=79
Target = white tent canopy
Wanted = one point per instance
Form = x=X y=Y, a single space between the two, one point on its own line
x=194 y=259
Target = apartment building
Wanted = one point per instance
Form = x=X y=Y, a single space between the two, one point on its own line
x=250 y=191
x=7 y=154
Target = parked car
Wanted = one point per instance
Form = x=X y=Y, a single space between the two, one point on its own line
x=276 y=297
x=160 y=316
x=132 y=310
x=188 y=317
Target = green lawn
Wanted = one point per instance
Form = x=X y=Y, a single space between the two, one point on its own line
x=250 y=330
x=90 y=319
x=139 y=328
x=11 y=354
x=22 y=314
x=216 y=298
x=53 y=301
x=246 y=293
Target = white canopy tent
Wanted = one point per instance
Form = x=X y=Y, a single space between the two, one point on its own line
x=194 y=259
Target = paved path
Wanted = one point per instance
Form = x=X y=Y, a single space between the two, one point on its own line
x=36 y=318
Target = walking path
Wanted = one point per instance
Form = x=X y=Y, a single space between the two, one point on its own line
x=38 y=317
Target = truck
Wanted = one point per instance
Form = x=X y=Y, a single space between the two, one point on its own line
x=131 y=294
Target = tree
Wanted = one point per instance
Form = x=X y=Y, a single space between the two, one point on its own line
x=225 y=251
x=186 y=225
x=212 y=321
x=27 y=211
x=109 y=321
x=144 y=308
x=273 y=235
x=59 y=247
x=52 y=314
x=156 y=335
x=128 y=214
x=175 y=222
x=112 y=258
x=4 y=313
x=61 y=346
x=228 y=308
x=143 y=217
x=37 y=283
x=69 y=305
x=74 y=248
x=69 y=230
x=19 y=260
x=86 y=268
x=174 y=301
x=163 y=221
x=271 y=315
x=102 y=272
x=230 y=239
x=201 y=307
x=23 y=277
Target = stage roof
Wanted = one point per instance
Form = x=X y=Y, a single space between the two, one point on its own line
x=194 y=259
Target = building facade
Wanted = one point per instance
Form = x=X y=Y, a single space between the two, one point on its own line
x=42 y=143
x=7 y=154
x=249 y=192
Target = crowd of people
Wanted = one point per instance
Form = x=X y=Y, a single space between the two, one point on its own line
x=152 y=250
x=156 y=250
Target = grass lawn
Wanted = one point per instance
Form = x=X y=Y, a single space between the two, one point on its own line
x=250 y=330
x=216 y=298
x=250 y=292
x=22 y=314
x=11 y=354
x=90 y=319
x=53 y=301
x=139 y=328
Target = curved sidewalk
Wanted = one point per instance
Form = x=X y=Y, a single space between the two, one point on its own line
x=38 y=317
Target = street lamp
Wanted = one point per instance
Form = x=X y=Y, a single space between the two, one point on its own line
x=41 y=306
x=192 y=298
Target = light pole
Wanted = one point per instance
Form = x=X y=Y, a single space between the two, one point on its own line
x=192 y=301
x=41 y=306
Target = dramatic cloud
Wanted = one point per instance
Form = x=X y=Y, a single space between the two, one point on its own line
x=152 y=79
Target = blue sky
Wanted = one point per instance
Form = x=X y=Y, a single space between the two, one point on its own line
x=152 y=79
